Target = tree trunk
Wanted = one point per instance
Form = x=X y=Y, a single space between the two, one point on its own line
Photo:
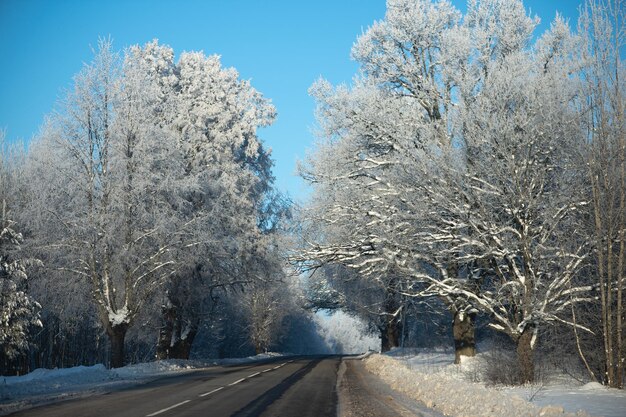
x=391 y=329
x=463 y=329
x=463 y=332
x=180 y=350
x=622 y=253
x=525 y=355
x=116 y=336
x=182 y=347
x=166 y=332
x=174 y=342
x=390 y=334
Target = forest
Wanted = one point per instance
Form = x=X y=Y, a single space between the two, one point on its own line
x=467 y=190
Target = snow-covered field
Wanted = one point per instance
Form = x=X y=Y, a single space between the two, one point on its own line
x=433 y=378
x=46 y=385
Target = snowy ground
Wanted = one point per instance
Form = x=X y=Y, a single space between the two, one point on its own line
x=46 y=385
x=429 y=376
x=432 y=377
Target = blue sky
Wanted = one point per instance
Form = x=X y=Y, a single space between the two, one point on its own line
x=283 y=46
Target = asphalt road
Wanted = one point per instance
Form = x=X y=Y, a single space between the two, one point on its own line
x=294 y=387
x=297 y=387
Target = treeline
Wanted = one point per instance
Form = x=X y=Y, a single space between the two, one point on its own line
x=142 y=221
x=473 y=176
x=477 y=169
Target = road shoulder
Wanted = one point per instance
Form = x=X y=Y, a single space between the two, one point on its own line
x=363 y=394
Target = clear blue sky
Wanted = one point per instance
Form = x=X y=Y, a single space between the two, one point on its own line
x=281 y=45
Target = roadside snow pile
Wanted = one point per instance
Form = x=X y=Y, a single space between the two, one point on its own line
x=41 y=374
x=59 y=382
x=46 y=385
x=441 y=390
x=172 y=366
x=558 y=388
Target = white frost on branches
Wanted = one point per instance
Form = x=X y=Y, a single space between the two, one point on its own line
x=449 y=162
x=19 y=312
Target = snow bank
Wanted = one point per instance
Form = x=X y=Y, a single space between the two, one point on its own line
x=171 y=366
x=50 y=374
x=556 y=388
x=592 y=386
x=441 y=390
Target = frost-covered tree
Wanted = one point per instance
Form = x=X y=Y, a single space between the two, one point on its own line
x=155 y=185
x=403 y=104
x=19 y=312
x=155 y=178
x=603 y=154
x=345 y=333
x=268 y=299
x=512 y=212
x=214 y=120
x=264 y=310
x=105 y=203
x=449 y=164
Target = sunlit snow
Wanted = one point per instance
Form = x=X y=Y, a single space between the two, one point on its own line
x=432 y=377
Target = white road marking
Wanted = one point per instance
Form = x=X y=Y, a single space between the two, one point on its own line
x=217 y=389
x=167 y=409
x=237 y=381
x=210 y=392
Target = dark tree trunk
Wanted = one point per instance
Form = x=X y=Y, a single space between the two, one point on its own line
x=391 y=329
x=116 y=336
x=166 y=332
x=175 y=337
x=17 y=365
x=390 y=335
x=525 y=355
x=182 y=347
x=463 y=328
x=463 y=332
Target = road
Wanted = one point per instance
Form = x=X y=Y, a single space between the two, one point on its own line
x=362 y=394
x=295 y=387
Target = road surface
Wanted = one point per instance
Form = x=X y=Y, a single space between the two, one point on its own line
x=362 y=394
x=294 y=387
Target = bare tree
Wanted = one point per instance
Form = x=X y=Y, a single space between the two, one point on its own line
x=604 y=153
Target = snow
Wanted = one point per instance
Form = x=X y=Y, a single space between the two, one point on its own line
x=47 y=385
x=431 y=377
x=119 y=317
x=428 y=376
x=346 y=334
x=593 y=397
